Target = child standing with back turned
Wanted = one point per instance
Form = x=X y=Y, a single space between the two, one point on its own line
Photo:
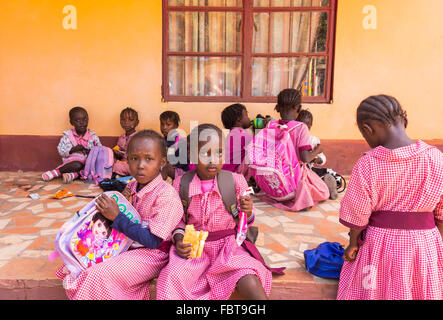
x=394 y=208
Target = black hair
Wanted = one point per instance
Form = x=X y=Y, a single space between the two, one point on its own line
x=230 y=115
x=288 y=99
x=172 y=115
x=154 y=135
x=383 y=108
x=130 y=111
x=305 y=114
x=75 y=110
x=105 y=221
x=196 y=132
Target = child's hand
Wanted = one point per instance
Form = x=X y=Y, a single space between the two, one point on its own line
x=182 y=250
x=117 y=154
x=318 y=161
x=318 y=149
x=350 y=253
x=77 y=148
x=107 y=207
x=246 y=205
x=127 y=194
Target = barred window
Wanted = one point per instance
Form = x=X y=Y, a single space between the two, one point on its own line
x=247 y=50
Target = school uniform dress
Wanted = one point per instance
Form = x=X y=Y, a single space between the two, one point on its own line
x=127 y=276
x=236 y=143
x=396 y=197
x=71 y=139
x=121 y=167
x=222 y=264
x=310 y=188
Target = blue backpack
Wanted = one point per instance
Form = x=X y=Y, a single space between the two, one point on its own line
x=326 y=260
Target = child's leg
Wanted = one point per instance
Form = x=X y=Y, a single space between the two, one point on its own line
x=70 y=171
x=74 y=166
x=250 y=288
x=51 y=174
x=332 y=186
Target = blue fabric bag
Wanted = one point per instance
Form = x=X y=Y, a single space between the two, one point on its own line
x=326 y=260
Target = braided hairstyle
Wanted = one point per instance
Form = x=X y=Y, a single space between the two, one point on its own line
x=170 y=115
x=151 y=134
x=288 y=99
x=129 y=111
x=230 y=115
x=383 y=108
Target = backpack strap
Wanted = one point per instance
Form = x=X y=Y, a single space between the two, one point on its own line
x=184 y=191
x=226 y=186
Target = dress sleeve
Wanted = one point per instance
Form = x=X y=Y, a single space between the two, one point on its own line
x=355 y=207
x=167 y=212
x=303 y=141
x=64 y=146
x=176 y=185
x=136 y=232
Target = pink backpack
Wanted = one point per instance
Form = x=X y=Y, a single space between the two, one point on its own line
x=273 y=161
x=98 y=165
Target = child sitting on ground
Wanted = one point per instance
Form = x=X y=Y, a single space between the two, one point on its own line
x=306 y=117
x=128 y=121
x=128 y=275
x=169 y=122
x=74 y=147
x=236 y=119
x=307 y=188
x=223 y=265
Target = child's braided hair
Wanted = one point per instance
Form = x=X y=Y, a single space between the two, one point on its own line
x=383 y=108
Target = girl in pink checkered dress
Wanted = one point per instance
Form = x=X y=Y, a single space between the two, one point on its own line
x=128 y=276
x=128 y=121
x=223 y=265
x=394 y=208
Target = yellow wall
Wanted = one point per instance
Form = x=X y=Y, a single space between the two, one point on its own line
x=113 y=60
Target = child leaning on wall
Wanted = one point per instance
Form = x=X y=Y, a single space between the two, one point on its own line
x=74 y=147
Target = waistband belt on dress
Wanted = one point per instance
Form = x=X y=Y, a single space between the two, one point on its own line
x=402 y=220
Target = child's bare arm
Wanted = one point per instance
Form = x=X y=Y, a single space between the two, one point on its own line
x=351 y=251
x=307 y=156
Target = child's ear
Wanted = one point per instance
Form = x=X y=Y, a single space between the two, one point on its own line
x=367 y=129
x=163 y=162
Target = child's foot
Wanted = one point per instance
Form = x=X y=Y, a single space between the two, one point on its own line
x=332 y=186
x=69 y=177
x=49 y=175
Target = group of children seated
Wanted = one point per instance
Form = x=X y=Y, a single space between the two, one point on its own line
x=212 y=164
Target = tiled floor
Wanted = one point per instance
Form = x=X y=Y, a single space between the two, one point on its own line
x=28 y=228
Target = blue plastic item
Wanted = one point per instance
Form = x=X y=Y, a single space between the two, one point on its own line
x=326 y=260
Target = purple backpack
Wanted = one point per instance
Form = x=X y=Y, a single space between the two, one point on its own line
x=273 y=161
x=78 y=246
x=98 y=165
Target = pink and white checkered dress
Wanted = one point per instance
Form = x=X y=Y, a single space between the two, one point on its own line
x=222 y=264
x=395 y=263
x=127 y=276
x=121 y=167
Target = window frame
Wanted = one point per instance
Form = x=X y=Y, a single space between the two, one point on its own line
x=246 y=54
